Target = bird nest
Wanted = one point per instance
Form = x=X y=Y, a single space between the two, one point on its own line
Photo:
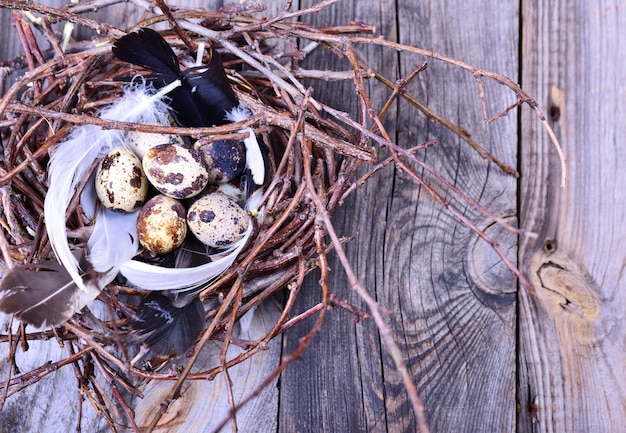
x=318 y=156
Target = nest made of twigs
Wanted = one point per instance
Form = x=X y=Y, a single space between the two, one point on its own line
x=319 y=156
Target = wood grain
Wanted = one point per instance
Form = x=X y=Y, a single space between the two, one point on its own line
x=458 y=333
x=572 y=334
x=413 y=255
x=338 y=386
x=485 y=356
x=53 y=404
x=203 y=405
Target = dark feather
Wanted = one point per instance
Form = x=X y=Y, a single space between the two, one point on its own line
x=164 y=327
x=42 y=293
x=210 y=91
x=205 y=95
x=148 y=49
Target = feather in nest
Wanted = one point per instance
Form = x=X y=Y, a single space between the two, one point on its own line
x=113 y=243
x=43 y=293
x=205 y=97
x=163 y=327
x=113 y=240
x=205 y=94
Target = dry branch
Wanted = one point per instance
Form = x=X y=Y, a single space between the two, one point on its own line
x=319 y=156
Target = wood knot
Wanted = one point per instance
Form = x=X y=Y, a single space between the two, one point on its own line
x=572 y=292
x=554 y=112
x=557 y=101
x=550 y=246
x=487 y=269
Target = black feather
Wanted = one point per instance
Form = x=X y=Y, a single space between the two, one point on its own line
x=210 y=91
x=164 y=327
x=148 y=49
x=205 y=95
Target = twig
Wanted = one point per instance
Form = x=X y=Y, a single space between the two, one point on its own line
x=317 y=156
x=203 y=340
x=27 y=5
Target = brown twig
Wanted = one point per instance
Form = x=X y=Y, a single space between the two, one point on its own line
x=319 y=156
x=62 y=15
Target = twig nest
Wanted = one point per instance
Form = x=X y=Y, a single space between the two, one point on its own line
x=217 y=220
x=175 y=171
x=121 y=184
x=141 y=142
x=224 y=159
x=161 y=224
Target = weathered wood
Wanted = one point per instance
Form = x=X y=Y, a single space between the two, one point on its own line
x=457 y=326
x=338 y=386
x=414 y=256
x=55 y=404
x=459 y=331
x=571 y=364
x=203 y=405
x=484 y=356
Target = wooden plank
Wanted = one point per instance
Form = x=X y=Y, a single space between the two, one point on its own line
x=204 y=405
x=572 y=333
x=453 y=313
x=454 y=321
x=338 y=385
x=53 y=403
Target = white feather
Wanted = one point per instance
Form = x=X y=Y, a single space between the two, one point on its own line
x=151 y=277
x=114 y=237
x=114 y=241
x=72 y=158
x=254 y=157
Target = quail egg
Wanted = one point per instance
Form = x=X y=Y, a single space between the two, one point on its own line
x=120 y=182
x=217 y=220
x=225 y=188
x=224 y=159
x=161 y=224
x=140 y=142
x=231 y=190
x=175 y=171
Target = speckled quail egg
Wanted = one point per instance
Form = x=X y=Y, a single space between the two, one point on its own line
x=175 y=170
x=140 y=142
x=225 y=188
x=224 y=159
x=161 y=224
x=231 y=190
x=217 y=220
x=120 y=182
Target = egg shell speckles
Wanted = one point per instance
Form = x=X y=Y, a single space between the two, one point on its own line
x=161 y=224
x=175 y=171
x=224 y=159
x=141 y=142
x=120 y=182
x=217 y=220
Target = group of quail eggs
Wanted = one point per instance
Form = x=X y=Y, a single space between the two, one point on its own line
x=177 y=187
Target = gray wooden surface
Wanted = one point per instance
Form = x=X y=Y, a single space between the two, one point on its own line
x=572 y=336
x=485 y=356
